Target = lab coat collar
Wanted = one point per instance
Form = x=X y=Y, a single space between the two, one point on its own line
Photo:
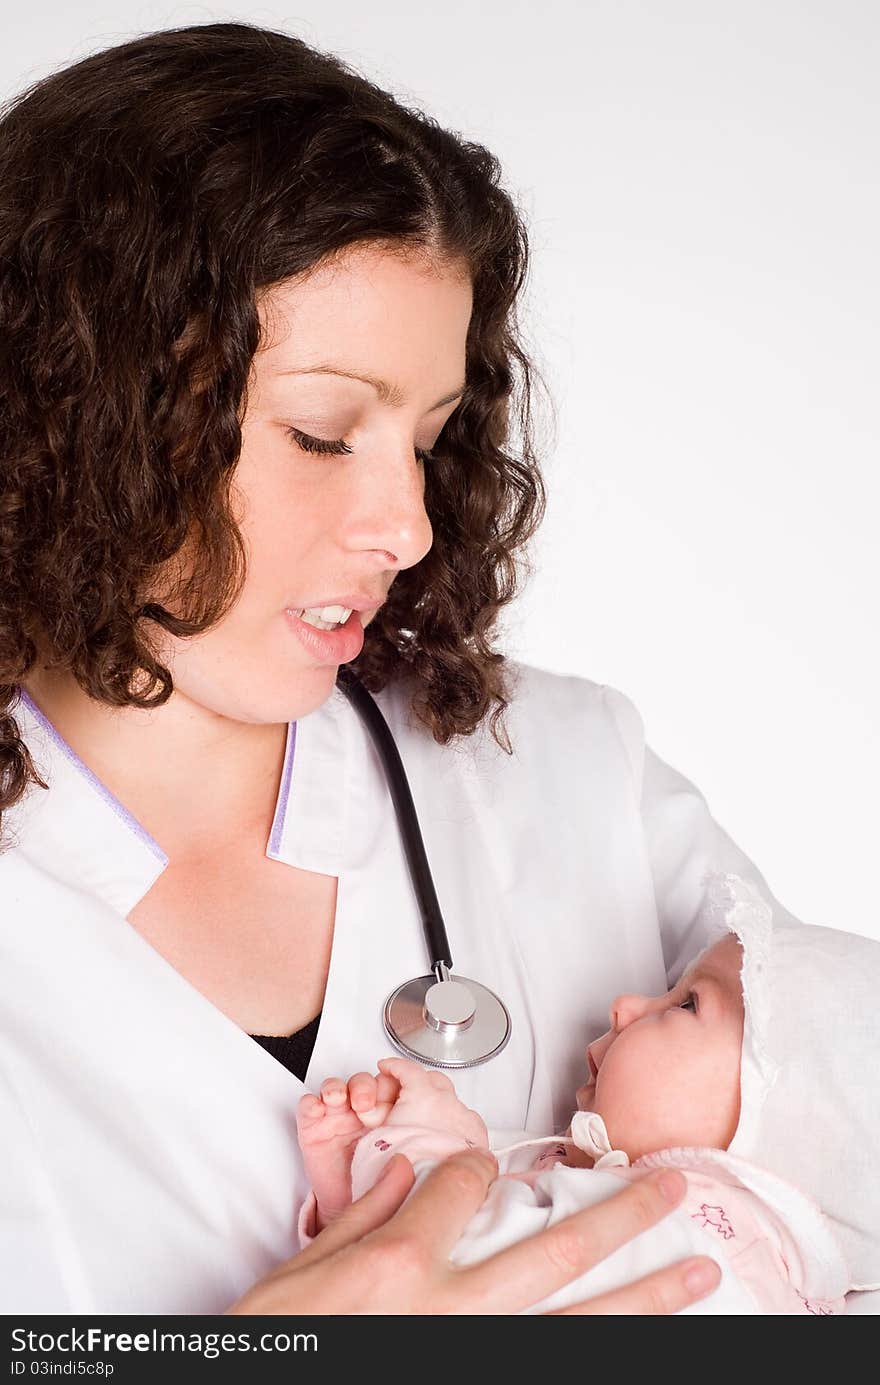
x=311 y=825
x=80 y=833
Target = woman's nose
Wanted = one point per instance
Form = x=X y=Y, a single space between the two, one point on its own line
x=389 y=515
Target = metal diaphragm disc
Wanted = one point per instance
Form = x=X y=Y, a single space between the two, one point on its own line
x=444 y=1030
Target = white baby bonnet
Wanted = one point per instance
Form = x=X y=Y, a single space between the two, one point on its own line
x=809 y=1089
x=810 y=1070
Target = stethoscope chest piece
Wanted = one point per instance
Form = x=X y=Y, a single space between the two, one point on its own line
x=446 y=1023
x=440 y=1020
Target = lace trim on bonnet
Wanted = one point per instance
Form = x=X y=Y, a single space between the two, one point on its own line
x=732 y=905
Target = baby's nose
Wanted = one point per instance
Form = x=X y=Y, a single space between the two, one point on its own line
x=625 y=1009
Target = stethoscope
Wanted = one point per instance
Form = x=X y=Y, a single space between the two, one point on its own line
x=441 y=1021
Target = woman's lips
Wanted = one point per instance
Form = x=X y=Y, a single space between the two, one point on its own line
x=338 y=646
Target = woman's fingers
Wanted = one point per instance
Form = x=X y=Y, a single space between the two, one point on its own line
x=526 y=1272
x=381 y=1257
x=664 y=1291
x=441 y=1207
x=363 y=1216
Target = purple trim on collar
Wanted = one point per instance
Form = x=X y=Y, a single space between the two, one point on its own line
x=284 y=793
x=109 y=798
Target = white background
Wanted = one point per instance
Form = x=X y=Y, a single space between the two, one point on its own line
x=700 y=179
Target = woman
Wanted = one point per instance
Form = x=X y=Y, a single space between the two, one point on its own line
x=259 y=364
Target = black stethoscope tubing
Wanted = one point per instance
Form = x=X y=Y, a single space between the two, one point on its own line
x=407 y=819
x=438 y=1019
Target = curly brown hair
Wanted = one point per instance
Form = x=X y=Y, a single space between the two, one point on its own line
x=151 y=192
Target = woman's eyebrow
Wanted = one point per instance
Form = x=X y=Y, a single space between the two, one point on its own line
x=388 y=394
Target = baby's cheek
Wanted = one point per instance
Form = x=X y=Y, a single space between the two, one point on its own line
x=664 y=1112
x=636 y=1113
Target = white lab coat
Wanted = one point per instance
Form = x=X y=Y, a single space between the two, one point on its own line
x=149 y=1161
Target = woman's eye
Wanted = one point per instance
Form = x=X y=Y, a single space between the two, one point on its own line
x=690 y=1001
x=337 y=446
x=334 y=446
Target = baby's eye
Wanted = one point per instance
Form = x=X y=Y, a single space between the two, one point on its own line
x=691 y=1000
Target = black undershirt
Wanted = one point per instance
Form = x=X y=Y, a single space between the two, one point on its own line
x=292 y=1050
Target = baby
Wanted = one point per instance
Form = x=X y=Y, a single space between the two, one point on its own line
x=758 y=1067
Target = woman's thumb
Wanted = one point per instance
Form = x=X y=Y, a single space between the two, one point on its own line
x=371 y=1211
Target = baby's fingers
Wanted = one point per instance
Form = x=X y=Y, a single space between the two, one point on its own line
x=362 y=1092
x=387 y=1092
x=334 y=1092
x=387 y=1089
x=403 y=1070
x=309 y=1110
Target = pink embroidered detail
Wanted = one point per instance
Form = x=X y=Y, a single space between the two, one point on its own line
x=714 y=1217
x=382 y=1144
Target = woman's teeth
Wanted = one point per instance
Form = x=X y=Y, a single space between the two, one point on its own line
x=325 y=617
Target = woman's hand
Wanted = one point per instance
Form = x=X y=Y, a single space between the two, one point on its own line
x=380 y=1257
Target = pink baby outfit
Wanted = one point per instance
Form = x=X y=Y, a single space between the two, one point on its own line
x=776 y=1253
x=809 y=1112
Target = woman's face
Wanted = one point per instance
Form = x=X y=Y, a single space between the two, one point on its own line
x=329 y=529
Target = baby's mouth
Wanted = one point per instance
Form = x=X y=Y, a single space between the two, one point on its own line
x=586 y=1093
x=584 y=1097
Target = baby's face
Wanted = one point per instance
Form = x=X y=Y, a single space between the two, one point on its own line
x=667 y=1071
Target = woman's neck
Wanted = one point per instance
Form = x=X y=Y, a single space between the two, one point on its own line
x=191 y=777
